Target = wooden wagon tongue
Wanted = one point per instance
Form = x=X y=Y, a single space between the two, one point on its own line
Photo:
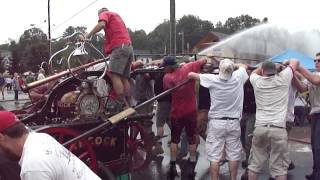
x=123 y=114
x=59 y=75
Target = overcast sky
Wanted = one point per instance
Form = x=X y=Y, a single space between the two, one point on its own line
x=17 y=15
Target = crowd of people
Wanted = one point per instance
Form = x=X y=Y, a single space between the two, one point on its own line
x=232 y=107
x=14 y=83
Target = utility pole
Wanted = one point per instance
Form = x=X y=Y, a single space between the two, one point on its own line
x=182 y=41
x=172 y=28
x=49 y=29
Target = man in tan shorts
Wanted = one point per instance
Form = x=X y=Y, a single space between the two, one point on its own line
x=270 y=138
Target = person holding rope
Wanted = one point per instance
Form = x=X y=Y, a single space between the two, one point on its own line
x=226 y=94
x=118 y=46
x=40 y=156
x=183 y=109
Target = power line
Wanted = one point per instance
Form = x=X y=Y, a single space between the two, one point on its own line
x=77 y=13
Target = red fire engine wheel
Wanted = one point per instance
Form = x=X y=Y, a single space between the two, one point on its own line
x=81 y=148
x=137 y=147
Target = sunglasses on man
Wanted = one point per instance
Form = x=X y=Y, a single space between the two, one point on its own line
x=316 y=60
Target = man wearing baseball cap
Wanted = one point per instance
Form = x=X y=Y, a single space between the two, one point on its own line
x=183 y=109
x=226 y=94
x=9 y=169
x=40 y=156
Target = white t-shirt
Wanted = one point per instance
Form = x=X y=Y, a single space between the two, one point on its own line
x=226 y=96
x=314 y=96
x=291 y=102
x=271 y=95
x=43 y=158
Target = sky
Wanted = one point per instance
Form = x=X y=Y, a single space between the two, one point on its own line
x=17 y=15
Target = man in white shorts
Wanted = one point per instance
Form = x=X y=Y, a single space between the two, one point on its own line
x=226 y=94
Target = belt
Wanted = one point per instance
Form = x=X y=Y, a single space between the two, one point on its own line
x=273 y=126
x=227 y=118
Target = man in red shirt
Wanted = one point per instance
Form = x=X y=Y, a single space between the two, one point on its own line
x=118 y=46
x=183 y=112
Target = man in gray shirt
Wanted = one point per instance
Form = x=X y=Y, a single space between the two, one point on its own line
x=270 y=138
x=314 y=92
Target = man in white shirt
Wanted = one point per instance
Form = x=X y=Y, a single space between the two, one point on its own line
x=40 y=156
x=226 y=94
x=270 y=138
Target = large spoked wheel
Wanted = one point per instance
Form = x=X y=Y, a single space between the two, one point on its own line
x=138 y=147
x=81 y=148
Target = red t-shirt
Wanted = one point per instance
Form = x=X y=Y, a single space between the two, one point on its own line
x=115 y=30
x=183 y=98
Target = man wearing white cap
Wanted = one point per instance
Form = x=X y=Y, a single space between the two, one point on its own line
x=226 y=94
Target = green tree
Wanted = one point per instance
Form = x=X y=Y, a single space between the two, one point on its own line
x=193 y=29
x=33 y=44
x=159 y=38
x=238 y=23
x=139 y=39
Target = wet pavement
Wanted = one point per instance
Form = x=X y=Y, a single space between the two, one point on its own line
x=300 y=153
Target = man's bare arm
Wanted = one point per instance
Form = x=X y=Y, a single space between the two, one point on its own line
x=257 y=71
x=314 y=79
x=193 y=75
x=96 y=29
x=296 y=82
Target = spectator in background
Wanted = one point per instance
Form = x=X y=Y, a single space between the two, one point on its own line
x=41 y=74
x=16 y=87
x=30 y=77
x=9 y=83
x=2 y=85
x=21 y=81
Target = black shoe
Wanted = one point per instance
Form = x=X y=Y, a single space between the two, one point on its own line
x=271 y=178
x=291 y=166
x=309 y=176
x=172 y=171
x=191 y=167
x=244 y=176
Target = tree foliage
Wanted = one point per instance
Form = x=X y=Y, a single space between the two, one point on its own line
x=233 y=25
x=193 y=28
x=32 y=47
